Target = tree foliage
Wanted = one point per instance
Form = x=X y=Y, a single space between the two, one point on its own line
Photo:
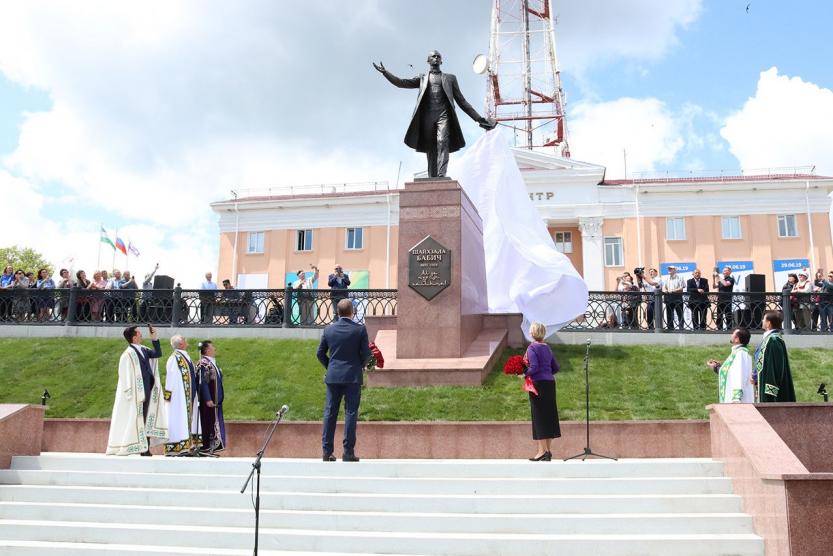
x=23 y=258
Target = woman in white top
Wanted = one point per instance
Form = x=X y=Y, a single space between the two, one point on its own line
x=805 y=302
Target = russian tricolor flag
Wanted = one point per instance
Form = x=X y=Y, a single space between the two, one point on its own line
x=120 y=245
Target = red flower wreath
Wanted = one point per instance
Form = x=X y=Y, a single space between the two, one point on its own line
x=376 y=360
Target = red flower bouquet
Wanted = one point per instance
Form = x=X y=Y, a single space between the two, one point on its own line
x=514 y=366
x=376 y=360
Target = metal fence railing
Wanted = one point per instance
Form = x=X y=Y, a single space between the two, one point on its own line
x=711 y=312
x=178 y=307
x=290 y=308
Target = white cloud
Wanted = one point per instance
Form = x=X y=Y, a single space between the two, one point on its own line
x=160 y=108
x=786 y=123
x=599 y=31
x=644 y=128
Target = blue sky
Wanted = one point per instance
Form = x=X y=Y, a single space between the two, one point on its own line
x=139 y=118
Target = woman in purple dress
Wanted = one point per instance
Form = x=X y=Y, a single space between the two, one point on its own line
x=542 y=367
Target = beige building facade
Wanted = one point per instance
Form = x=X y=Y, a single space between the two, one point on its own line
x=762 y=222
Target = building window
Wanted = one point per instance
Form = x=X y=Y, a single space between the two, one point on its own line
x=354 y=238
x=787 y=226
x=255 y=244
x=613 y=251
x=304 y=240
x=675 y=229
x=731 y=227
x=563 y=242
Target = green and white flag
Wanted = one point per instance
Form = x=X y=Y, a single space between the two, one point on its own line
x=106 y=239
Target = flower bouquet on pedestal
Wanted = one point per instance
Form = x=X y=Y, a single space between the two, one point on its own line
x=376 y=360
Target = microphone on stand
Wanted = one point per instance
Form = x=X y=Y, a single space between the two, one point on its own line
x=283 y=410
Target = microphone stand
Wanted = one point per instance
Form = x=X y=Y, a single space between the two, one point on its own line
x=256 y=468
x=587 y=451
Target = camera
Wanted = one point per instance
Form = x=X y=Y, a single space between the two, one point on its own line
x=639 y=271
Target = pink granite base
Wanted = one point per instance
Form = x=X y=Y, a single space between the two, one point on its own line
x=791 y=507
x=469 y=370
x=21 y=430
x=441 y=440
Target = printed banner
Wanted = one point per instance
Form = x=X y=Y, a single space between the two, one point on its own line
x=782 y=268
x=740 y=270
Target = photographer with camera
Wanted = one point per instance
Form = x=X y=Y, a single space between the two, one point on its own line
x=338 y=282
x=630 y=300
x=649 y=285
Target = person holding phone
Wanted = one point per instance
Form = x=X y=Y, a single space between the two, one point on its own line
x=131 y=433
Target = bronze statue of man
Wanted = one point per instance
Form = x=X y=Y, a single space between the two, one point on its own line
x=434 y=128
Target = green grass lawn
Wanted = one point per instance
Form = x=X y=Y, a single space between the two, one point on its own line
x=634 y=382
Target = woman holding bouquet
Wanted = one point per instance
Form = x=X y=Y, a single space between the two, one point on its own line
x=542 y=367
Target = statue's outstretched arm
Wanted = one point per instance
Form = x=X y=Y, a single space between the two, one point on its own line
x=463 y=103
x=412 y=83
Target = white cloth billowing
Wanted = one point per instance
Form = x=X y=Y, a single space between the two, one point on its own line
x=524 y=272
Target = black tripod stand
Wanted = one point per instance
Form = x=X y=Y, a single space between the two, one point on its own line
x=587 y=451
x=256 y=467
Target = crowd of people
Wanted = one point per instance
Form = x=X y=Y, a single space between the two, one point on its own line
x=114 y=297
x=692 y=304
x=186 y=415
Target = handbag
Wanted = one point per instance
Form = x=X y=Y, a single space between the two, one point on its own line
x=529 y=386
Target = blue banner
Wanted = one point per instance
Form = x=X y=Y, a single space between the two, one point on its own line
x=682 y=268
x=790 y=265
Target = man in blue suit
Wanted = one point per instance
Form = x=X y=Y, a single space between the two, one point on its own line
x=344 y=351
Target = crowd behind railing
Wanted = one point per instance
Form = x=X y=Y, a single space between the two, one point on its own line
x=118 y=301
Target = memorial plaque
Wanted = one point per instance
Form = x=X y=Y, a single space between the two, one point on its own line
x=429 y=268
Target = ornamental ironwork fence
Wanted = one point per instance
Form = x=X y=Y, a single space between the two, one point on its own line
x=627 y=312
x=178 y=307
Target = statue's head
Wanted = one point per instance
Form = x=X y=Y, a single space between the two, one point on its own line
x=435 y=58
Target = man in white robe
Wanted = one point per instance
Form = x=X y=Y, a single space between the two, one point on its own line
x=140 y=416
x=183 y=407
x=734 y=375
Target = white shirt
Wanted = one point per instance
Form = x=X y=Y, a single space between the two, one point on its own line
x=208 y=285
x=305 y=284
x=674 y=283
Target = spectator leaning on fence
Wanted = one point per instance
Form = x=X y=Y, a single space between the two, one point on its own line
x=825 y=289
x=673 y=288
x=338 y=282
x=802 y=291
x=724 y=285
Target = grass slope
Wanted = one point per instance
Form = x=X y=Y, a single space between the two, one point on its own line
x=634 y=382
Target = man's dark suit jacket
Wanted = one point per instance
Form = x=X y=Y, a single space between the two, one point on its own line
x=692 y=286
x=452 y=93
x=344 y=351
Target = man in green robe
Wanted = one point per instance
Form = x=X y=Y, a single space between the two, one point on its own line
x=772 y=377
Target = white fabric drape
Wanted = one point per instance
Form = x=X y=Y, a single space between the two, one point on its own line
x=524 y=272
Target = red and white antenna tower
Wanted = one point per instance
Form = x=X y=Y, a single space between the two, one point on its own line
x=524 y=90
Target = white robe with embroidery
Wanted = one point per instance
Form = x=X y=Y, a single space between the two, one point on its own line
x=129 y=431
x=735 y=378
x=179 y=427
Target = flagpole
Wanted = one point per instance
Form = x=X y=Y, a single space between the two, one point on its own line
x=113 y=264
x=98 y=261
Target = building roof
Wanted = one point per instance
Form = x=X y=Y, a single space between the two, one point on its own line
x=716 y=179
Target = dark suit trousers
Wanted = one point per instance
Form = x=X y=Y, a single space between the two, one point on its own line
x=352 y=394
x=435 y=126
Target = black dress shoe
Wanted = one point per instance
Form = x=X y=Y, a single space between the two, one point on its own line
x=329 y=457
x=147 y=453
x=546 y=456
x=349 y=457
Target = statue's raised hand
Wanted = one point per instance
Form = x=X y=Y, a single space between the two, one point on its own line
x=380 y=67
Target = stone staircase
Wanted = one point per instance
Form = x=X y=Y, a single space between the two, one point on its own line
x=89 y=504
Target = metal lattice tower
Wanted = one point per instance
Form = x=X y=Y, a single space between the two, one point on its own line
x=524 y=81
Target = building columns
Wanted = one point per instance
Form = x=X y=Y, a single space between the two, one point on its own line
x=592 y=251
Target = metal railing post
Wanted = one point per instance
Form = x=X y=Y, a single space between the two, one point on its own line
x=787 y=310
x=287 y=307
x=176 y=313
x=71 y=307
x=658 y=310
